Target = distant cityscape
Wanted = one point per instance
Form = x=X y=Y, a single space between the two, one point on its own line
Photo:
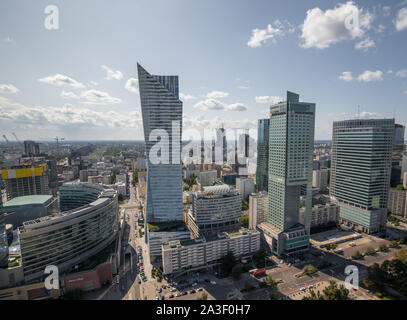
x=231 y=152
x=272 y=216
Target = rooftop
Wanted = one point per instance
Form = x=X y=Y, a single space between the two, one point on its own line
x=28 y=200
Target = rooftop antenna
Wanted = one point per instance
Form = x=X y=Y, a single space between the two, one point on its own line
x=358 y=116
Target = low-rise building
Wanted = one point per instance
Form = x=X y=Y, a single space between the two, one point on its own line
x=214 y=210
x=207 y=178
x=179 y=256
x=321 y=214
x=397 y=202
x=258 y=208
x=245 y=186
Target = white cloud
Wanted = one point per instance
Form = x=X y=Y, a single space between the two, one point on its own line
x=368 y=76
x=132 y=85
x=69 y=95
x=365 y=44
x=210 y=104
x=401 y=20
x=268 y=99
x=401 y=73
x=8 y=88
x=346 y=76
x=66 y=117
x=236 y=107
x=213 y=104
x=262 y=36
x=386 y=11
x=98 y=97
x=217 y=95
x=8 y=40
x=216 y=122
x=186 y=97
x=110 y=74
x=367 y=115
x=243 y=87
x=324 y=28
x=389 y=71
x=61 y=80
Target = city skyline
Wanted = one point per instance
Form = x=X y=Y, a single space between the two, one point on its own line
x=90 y=92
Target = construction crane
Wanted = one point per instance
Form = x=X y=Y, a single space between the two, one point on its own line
x=58 y=139
x=15 y=136
x=5 y=138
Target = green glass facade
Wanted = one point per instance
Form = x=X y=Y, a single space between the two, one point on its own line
x=360 y=171
x=263 y=133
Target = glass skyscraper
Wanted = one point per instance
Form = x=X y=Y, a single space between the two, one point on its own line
x=263 y=132
x=291 y=145
x=360 y=171
x=162 y=116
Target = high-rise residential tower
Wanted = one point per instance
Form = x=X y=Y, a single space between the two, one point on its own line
x=291 y=145
x=162 y=114
x=263 y=132
x=360 y=171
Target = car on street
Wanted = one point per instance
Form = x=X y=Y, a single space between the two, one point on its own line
x=192 y=291
x=213 y=282
x=173 y=290
x=184 y=293
x=199 y=289
x=178 y=295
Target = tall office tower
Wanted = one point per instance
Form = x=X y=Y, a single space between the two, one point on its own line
x=25 y=180
x=52 y=170
x=243 y=154
x=291 y=149
x=31 y=148
x=202 y=152
x=3 y=239
x=162 y=113
x=162 y=110
x=360 y=171
x=213 y=151
x=397 y=155
x=221 y=153
x=263 y=132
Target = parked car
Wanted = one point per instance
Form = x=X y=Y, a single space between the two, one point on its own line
x=192 y=291
x=171 y=296
x=213 y=282
x=199 y=289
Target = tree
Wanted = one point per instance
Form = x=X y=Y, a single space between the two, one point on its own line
x=401 y=255
x=370 y=251
x=393 y=244
x=332 y=246
x=383 y=247
x=245 y=221
x=245 y=206
x=203 y=297
x=357 y=255
x=270 y=281
x=332 y=292
x=399 y=187
x=236 y=271
x=227 y=263
x=273 y=295
x=120 y=198
x=309 y=269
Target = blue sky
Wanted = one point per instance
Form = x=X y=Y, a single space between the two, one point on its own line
x=234 y=58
